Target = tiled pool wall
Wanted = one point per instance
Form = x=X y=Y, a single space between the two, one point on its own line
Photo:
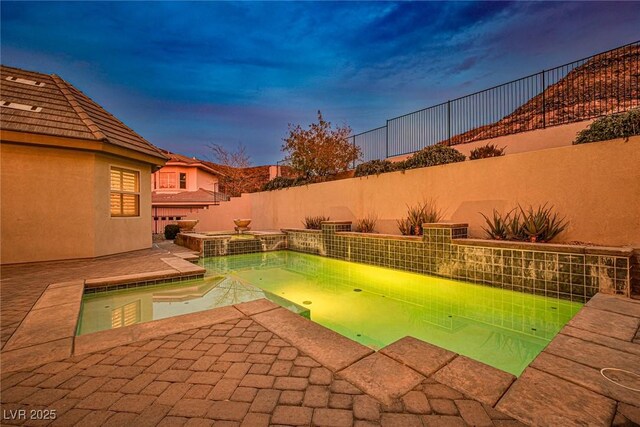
x=570 y=272
x=220 y=245
x=141 y=284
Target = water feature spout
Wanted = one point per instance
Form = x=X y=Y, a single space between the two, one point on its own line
x=242 y=225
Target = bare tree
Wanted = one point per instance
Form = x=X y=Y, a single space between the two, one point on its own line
x=237 y=158
x=234 y=163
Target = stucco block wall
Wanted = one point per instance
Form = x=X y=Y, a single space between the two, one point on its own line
x=597 y=186
x=55 y=205
x=47 y=203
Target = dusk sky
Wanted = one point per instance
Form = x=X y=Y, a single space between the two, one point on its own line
x=187 y=74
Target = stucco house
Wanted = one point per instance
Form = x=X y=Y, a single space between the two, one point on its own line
x=184 y=185
x=75 y=180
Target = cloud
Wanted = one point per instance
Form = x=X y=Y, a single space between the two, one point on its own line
x=184 y=74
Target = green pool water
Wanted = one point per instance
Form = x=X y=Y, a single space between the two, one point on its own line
x=372 y=305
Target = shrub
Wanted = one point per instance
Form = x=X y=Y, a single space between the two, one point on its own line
x=171 y=231
x=431 y=156
x=613 y=126
x=320 y=150
x=367 y=224
x=314 y=222
x=281 y=182
x=539 y=225
x=425 y=212
x=486 y=151
x=374 y=167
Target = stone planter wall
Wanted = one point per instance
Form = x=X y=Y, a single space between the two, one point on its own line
x=566 y=271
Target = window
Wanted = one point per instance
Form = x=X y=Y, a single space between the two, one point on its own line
x=183 y=180
x=125 y=192
x=167 y=180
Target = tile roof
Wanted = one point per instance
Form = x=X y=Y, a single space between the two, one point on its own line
x=200 y=196
x=193 y=161
x=65 y=111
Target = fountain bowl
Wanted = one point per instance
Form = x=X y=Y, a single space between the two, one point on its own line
x=242 y=223
x=187 y=224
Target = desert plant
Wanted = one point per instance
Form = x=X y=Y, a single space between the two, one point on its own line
x=431 y=156
x=366 y=224
x=489 y=150
x=533 y=225
x=314 y=222
x=425 y=212
x=542 y=224
x=171 y=231
x=497 y=227
x=614 y=126
x=513 y=223
x=405 y=226
x=374 y=167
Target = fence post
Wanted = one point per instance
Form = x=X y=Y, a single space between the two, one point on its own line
x=544 y=102
x=354 y=146
x=386 y=140
x=449 y=122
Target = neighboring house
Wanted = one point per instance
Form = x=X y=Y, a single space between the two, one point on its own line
x=75 y=181
x=183 y=186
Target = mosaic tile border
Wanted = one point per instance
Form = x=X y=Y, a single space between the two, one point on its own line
x=562 y=271
x=142 y=284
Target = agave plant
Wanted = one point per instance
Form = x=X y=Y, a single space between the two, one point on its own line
x=405 y=227
x=367 y=224
x=514 y=226
x=542 y=224
x=425 y=212
x=539 y=225
x=314 y=222
x=496 y=227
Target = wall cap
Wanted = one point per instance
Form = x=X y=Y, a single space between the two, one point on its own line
x=298 y=230
x=547 y=247
x=335 y=222
x=445 y=225
x=379 y=236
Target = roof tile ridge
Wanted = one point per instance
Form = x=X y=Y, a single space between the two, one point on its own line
x=93 y=128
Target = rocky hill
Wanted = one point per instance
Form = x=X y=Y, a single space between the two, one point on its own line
x=605 y=84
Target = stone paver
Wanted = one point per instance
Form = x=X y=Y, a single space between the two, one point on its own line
x=382 y=377
x=327 y=347
x=419 y=355
x=538 y=398
x=475 y=379
x=603 y=322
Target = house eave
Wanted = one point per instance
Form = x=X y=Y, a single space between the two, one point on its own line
x=100 y=146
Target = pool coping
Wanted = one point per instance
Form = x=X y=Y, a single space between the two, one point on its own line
x=607 y=328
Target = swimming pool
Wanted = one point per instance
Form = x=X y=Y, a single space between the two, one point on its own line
x=372 y=305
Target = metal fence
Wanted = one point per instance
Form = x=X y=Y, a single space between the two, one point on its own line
x=601 y=84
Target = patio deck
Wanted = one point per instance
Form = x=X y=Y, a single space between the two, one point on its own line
x=257 y=364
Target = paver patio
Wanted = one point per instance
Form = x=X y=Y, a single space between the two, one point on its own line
x=257 y=364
